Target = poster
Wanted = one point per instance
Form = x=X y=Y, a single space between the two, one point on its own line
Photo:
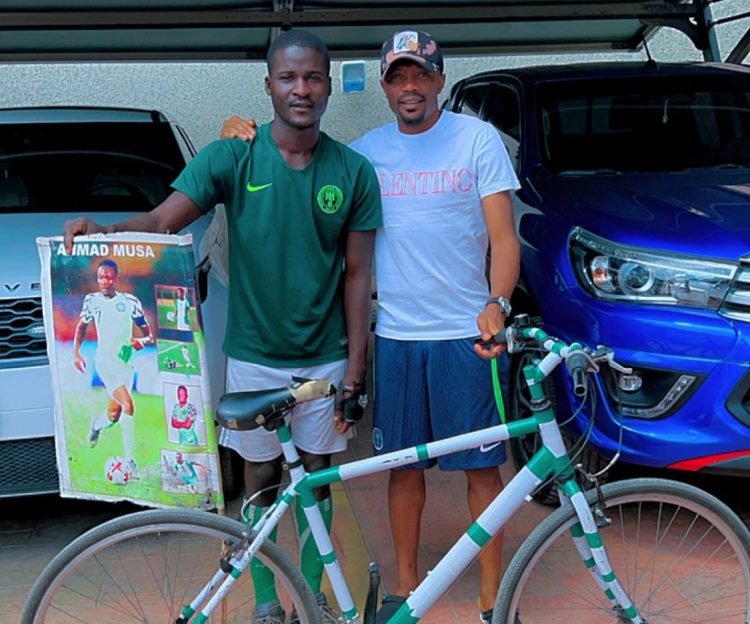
x=133 y=418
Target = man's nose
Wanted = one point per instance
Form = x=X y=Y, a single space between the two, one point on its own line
x=301 y=87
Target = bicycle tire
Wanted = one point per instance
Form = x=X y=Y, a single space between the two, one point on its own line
x=700 y=576
x=144 y=567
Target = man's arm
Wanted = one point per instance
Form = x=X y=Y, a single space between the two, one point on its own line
x=173 y=214
x=80 y=333
x=505 y=262
x=182 y=424
x=141 y=322
x=357 y=279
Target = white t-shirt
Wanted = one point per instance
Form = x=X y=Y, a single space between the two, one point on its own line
x=430 y=254
x=113 y=317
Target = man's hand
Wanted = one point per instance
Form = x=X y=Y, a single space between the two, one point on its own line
x=139 y=343
x=350 y=405
x=79 y=362
x=491 y=321
x=79 y=227
x=237 y=127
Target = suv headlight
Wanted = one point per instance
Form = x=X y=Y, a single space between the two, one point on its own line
x=618 y=272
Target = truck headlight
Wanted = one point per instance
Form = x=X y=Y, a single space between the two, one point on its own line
x=612 y=271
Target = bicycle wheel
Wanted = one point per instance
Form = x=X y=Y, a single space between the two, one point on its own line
x=144 y=567
x=680 y=554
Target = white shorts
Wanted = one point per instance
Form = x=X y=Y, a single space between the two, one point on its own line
x=114 y=373
x=311 y=423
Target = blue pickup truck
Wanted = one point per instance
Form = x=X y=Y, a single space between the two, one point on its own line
x=634 y=219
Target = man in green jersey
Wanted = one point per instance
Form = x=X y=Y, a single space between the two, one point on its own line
x=302 y=212
x=184 y=417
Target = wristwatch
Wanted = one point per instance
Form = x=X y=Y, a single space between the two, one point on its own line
x=502 y=302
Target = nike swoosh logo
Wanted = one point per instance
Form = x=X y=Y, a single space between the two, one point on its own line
x=486 y=448
x=254 y=189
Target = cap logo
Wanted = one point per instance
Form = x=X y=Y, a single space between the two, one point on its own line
x=406 y=41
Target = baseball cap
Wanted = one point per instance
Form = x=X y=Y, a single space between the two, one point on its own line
x=414 y=45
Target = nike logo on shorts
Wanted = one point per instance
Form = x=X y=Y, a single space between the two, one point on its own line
x=486 y=448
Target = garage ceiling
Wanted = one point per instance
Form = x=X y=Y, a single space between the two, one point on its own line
x=79 y=30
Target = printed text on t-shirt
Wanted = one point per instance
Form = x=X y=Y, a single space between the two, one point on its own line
x=400 y=183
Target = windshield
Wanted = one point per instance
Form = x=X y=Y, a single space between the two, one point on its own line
x=659 y=123
x=86 y=167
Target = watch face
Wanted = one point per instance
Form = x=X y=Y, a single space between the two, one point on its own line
x=502 y=302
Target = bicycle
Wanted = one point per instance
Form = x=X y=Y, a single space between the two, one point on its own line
x=674 y=553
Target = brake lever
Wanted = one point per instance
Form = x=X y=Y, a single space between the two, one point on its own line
x=605 y=354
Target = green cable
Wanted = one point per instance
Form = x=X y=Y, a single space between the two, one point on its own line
x=497 y=391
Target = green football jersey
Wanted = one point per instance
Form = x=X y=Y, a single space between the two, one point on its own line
x=287 y=238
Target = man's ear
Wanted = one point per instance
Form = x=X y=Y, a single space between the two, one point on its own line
x=267 y=83
x=441 y=84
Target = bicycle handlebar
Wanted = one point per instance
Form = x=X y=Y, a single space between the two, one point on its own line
x=579 y=359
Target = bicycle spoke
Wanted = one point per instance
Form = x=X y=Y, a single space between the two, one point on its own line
x=676 y=558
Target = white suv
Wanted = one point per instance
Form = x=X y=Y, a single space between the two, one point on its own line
x=56 y=163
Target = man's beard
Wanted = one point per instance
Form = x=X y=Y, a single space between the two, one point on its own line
x=413 y=121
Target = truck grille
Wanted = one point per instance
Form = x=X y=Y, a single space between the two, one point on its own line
x=737 y=302
x=21 y=329
x=28 y=467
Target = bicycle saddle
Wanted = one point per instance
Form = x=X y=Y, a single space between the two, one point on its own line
x=243 y=411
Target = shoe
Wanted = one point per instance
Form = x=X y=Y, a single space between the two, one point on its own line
x=133 y=467
x=94 y=434
x=327 y=614
x=269 y=613
x=388 y=607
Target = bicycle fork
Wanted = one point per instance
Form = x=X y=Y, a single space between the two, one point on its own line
x=591 y=549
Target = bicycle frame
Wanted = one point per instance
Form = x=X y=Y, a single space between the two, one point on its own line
x=552 y=460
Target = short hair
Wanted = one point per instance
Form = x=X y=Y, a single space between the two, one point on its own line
x=298 y=39
x=108 y=263
x=182 y=388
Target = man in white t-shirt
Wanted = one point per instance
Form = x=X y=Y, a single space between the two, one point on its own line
x=114 y=315
x=445 y=182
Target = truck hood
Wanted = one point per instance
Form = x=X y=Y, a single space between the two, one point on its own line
x=20 y=269
x=688 y=213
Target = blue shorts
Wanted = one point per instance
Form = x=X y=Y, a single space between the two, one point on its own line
x=429 y=390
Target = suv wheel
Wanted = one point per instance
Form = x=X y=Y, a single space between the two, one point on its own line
x=522 y=449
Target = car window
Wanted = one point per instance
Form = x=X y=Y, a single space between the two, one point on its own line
x=86 y=167
x=646 y=124
x=498 y=104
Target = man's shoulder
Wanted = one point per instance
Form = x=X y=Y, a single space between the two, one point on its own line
x=130 y=298
x=225 y=148
x=343 y=149
x=352 y=157
x=468 y=122
x=373 y=137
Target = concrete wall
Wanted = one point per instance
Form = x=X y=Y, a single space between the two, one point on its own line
x=200 y=95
